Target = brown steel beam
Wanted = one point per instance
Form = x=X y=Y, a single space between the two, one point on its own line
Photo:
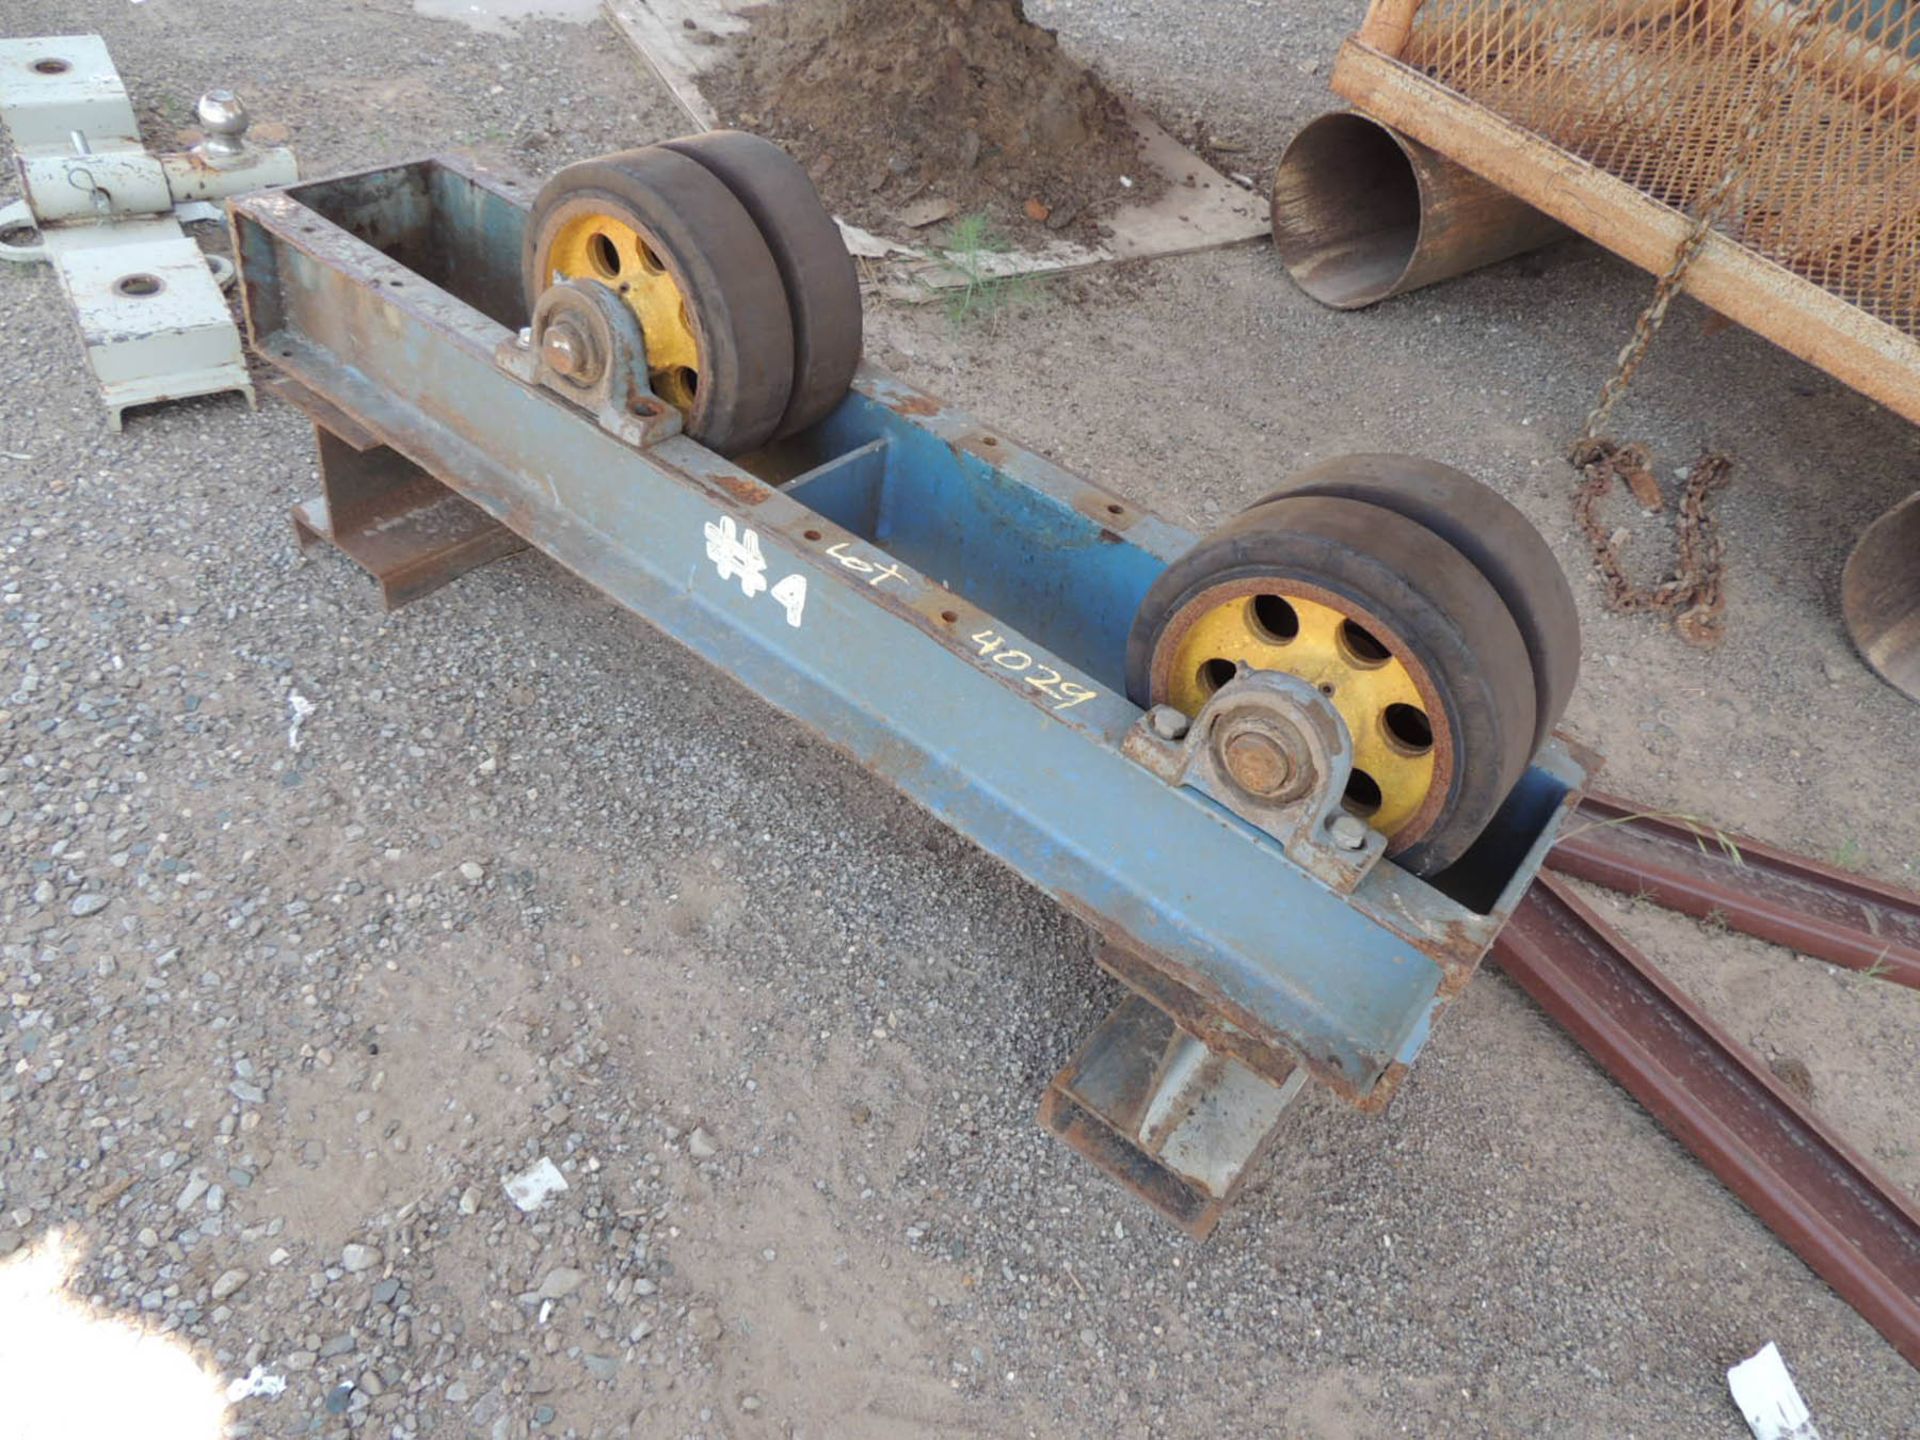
x=1849 y=1224
x=1752 y=887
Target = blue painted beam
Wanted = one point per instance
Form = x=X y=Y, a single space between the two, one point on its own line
x=946 y=607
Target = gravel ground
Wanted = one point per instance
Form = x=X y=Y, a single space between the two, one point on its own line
x=534 y=884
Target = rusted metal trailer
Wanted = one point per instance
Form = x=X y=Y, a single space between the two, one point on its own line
x=1784 y=126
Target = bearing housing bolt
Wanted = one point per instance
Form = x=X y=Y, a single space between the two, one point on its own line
x=1349 y=831
x=1167 y=722
x=566 y=352
x=1258 y=763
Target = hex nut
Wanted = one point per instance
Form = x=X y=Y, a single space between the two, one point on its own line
x=1167 y=722
x=1348 y=830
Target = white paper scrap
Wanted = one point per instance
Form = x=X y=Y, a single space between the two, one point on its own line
x=257 y=1381
x=532 y=1188
x=1767 y=1396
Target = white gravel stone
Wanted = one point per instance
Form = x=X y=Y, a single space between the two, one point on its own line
x=560 y=1281
x=229 y=1283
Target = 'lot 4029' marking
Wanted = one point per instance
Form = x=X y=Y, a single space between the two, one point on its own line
x=1043 y=678
x=736 y=555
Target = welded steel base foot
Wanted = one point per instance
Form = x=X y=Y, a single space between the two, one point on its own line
x=394 y=520
x=1172 y=1121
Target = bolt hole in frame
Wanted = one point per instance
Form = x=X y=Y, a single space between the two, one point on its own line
x=857 y=633
x=140 y=286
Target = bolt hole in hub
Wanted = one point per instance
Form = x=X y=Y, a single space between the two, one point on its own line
x=1363 y=797
x=605 y=256
x=1362 y=647
x=19 y=237
x=51 y=66
x=1408 y=728
x=1275 y=619
x=1216 y=672
x=138 y=287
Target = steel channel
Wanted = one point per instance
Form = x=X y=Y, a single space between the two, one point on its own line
x=1185 y=890
x=1848 y=1222
x=1754 y=888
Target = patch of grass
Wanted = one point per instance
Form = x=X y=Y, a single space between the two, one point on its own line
x=983 y=296
x=1849 y=854
x=1707 y=836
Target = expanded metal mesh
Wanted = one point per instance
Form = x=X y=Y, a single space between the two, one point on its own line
x=1661 y=95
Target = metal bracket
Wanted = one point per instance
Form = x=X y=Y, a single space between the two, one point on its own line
x=107 y=215
x=586 y=345
x=386 y=514
x=1174 y=1122
x=1273 y=750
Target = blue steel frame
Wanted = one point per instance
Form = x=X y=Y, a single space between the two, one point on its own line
x=946 y=607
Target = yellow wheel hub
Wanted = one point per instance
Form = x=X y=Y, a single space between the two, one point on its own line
x=607 y=249
x=1375 y=693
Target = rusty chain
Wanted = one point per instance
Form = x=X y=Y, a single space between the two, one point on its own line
x=1695 y=597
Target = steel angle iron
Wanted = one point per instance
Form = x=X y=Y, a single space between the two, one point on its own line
x=1295 y=774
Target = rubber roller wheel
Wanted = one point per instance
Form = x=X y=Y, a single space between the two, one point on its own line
x=686 y=254
x=823 y=288
x=1484 y=526
x=1400 y=630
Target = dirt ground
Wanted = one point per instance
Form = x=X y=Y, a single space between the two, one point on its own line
x=902 y=109
x=537 y=884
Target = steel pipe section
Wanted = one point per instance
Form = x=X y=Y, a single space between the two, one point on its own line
x=1361 y=212
x=1880 y=596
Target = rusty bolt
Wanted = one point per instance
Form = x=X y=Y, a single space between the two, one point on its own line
x=1349 y=831
x=1258 y=763
x=567 y=352
x=1167 y=722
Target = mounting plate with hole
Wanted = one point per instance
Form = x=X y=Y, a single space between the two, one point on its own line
x=20 y=238
x=1273 y=750
x=147 y=300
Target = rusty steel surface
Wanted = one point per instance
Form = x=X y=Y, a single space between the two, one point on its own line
x=1664 y=96
x=1824 y=328
x=1361 y=213
x=1845 y=1220
x=394 y=520
x=1880 y=596
x=1177 y=1124
x=1750 y=886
